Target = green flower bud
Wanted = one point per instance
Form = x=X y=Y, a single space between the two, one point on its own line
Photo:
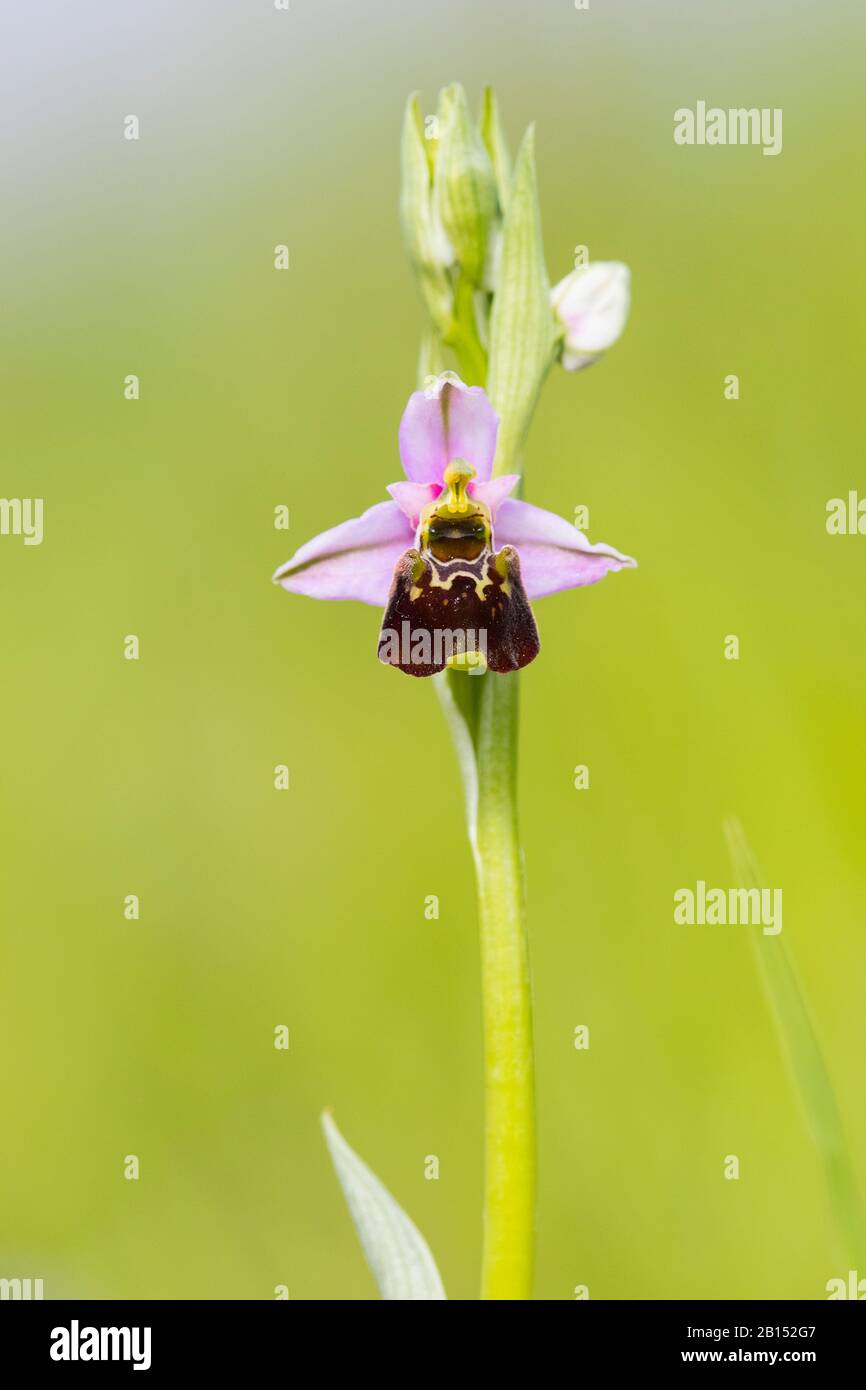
x=464 y=184
x=428 y=246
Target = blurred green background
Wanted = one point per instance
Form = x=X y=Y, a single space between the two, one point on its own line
x=306 y=908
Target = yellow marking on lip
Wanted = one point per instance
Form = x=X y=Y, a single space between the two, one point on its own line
x=503 y=568
x=480 y=584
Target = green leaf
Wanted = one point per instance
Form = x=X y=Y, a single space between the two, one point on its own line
x=805 y=1060
x=522 y=329
x=396 y=1252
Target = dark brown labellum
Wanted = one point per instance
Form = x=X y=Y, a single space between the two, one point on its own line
x=456 y=606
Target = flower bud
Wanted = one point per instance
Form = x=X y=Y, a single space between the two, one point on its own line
x=464 y=184
x=428 y=246
x=591 y=307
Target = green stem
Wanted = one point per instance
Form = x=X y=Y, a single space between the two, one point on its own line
x=463 y=336
x=509 y=1086
x=482 y=714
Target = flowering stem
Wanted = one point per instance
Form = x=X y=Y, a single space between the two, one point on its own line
x=509 y=1086
x=482 y=715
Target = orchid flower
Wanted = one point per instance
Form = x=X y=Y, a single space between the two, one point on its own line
x=429 y=556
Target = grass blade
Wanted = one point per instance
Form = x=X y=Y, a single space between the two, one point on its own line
x=805 y=1061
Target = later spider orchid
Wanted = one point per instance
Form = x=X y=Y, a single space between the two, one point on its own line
x=429 y=557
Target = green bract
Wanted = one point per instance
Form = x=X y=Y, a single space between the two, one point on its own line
x=522 y=335
x=497 y=148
